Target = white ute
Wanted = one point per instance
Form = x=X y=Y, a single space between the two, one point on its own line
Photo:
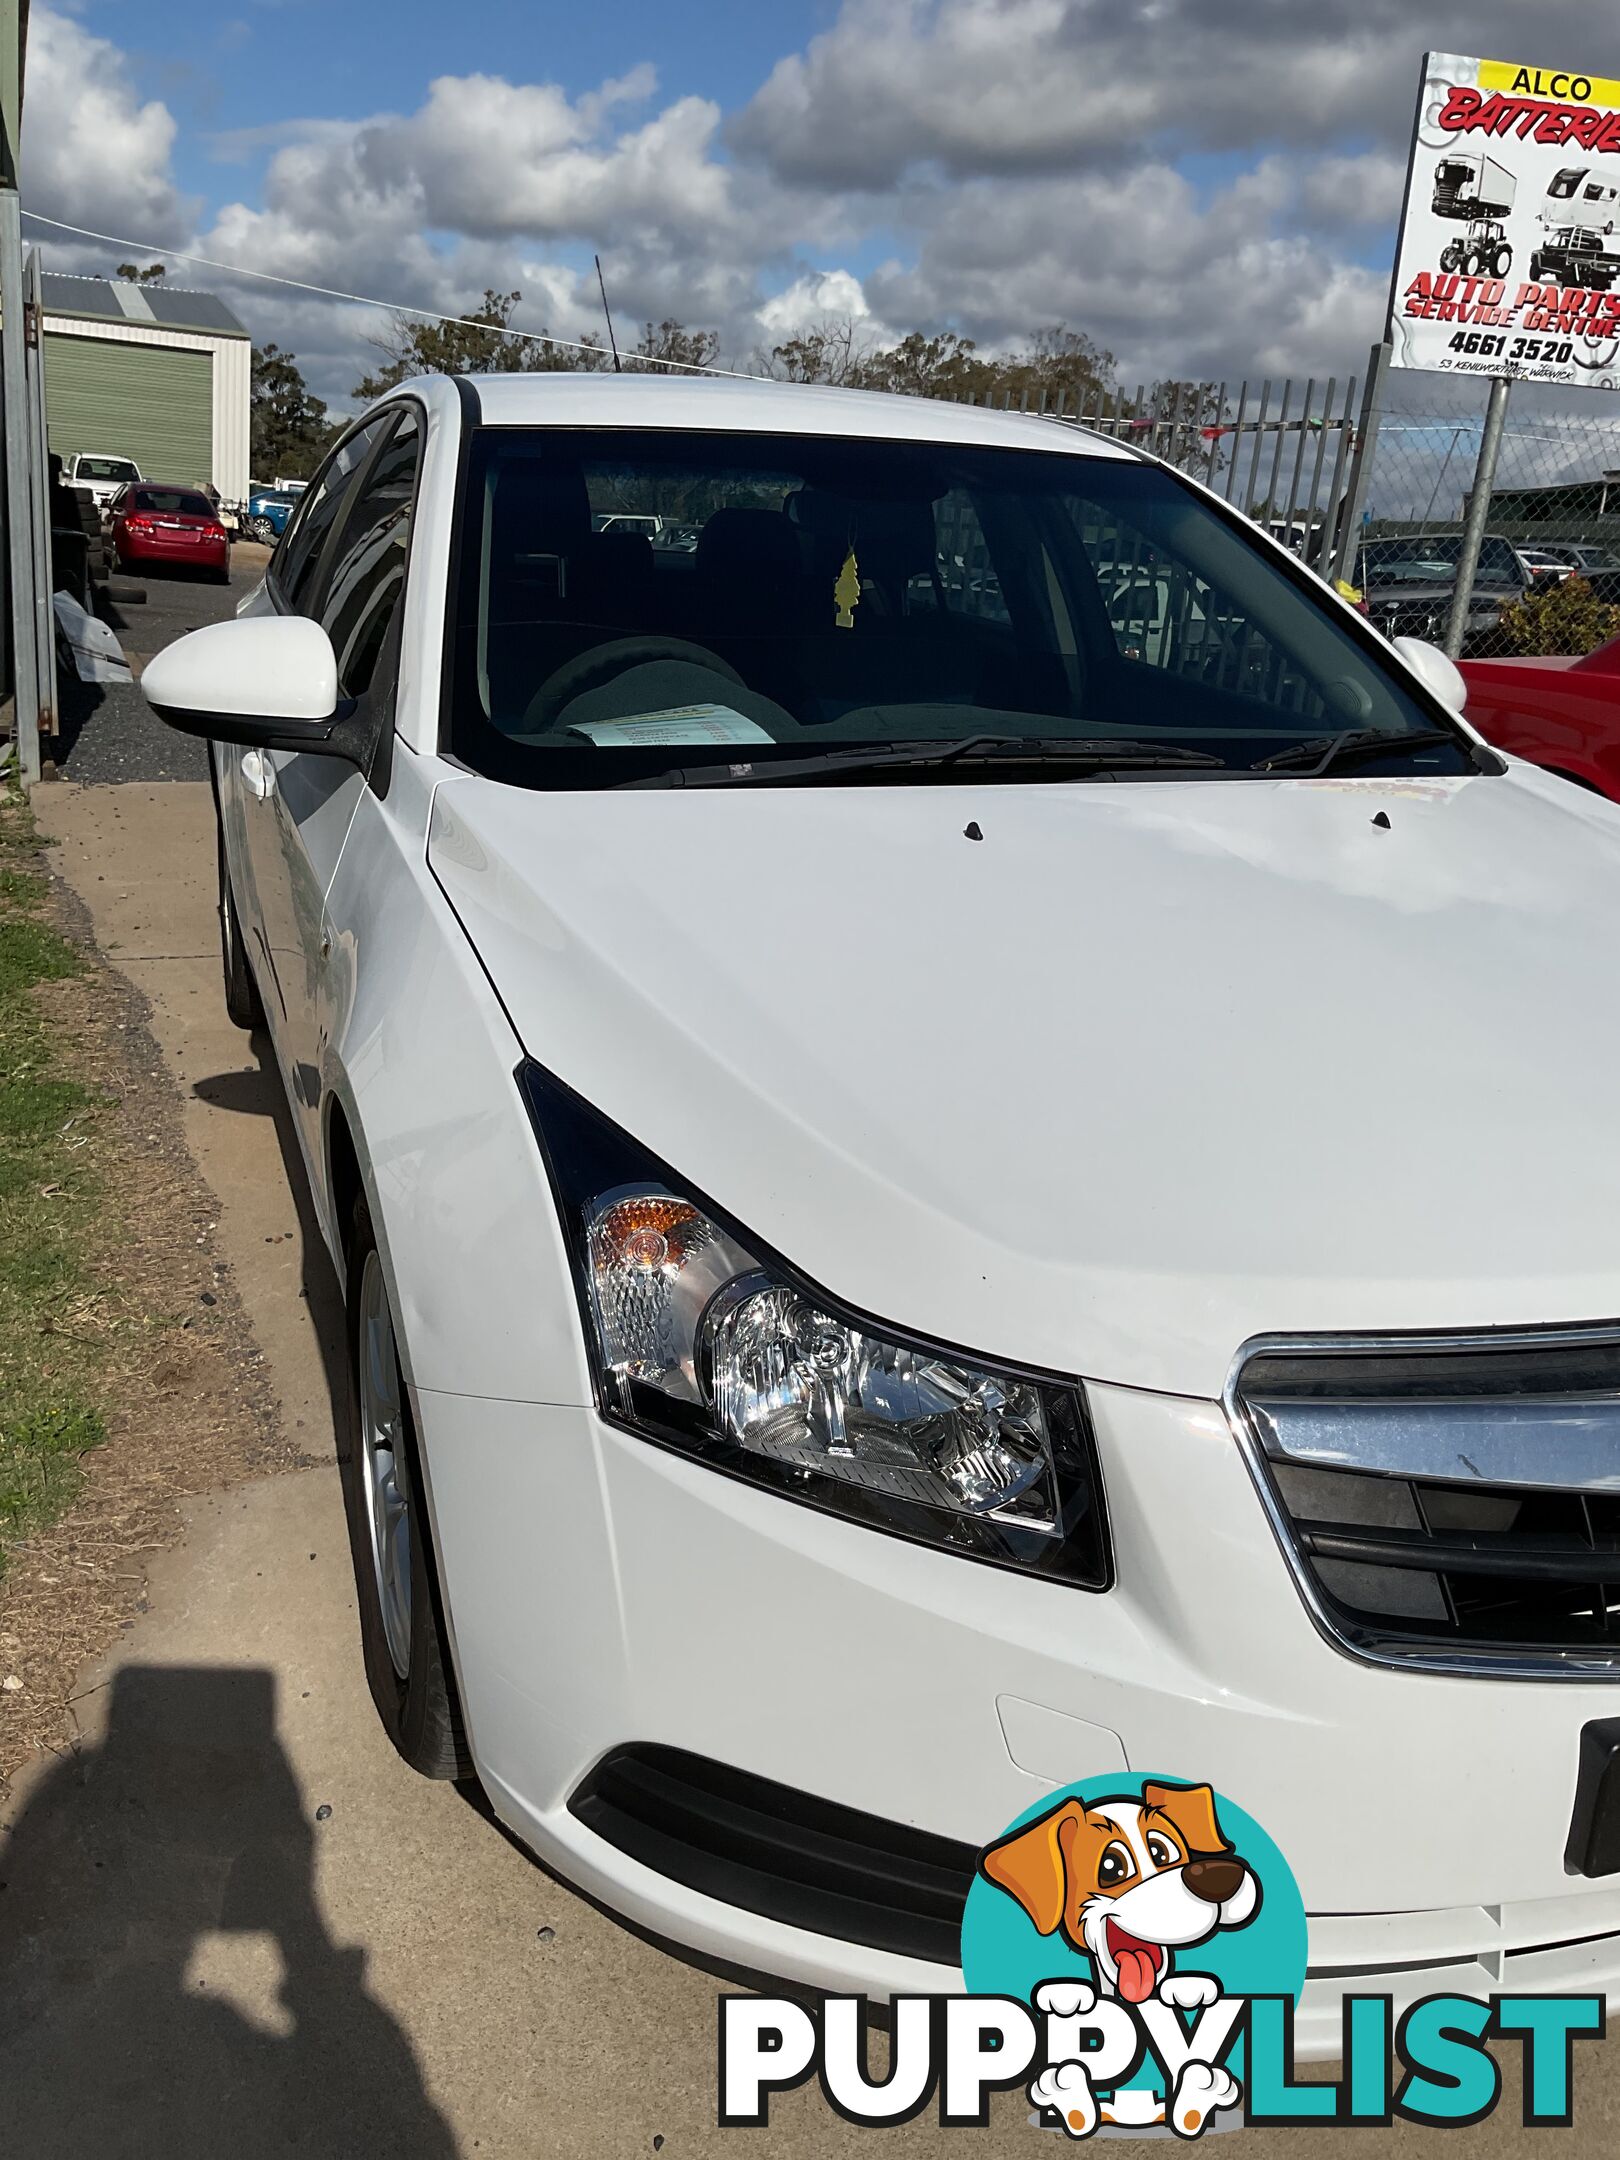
x=100 y=476
x=973 y=1143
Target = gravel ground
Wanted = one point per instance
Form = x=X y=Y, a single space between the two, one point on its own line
x=109 y=733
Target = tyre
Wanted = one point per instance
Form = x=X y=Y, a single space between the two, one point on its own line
x=262 y=529
x=402 y=1631
x=1502 y=262
x=241 y=991
x=1538 y=270
x=1451 y=256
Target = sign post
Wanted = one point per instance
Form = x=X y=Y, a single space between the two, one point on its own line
x=1479 y=511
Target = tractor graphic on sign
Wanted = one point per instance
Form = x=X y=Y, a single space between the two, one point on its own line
x=1477 y=193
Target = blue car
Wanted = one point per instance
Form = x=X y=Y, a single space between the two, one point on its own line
x=268 y=511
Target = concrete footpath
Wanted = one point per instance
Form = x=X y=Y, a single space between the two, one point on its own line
x=196 y=1957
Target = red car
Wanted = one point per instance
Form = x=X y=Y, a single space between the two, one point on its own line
x=153 y=523
x=1564 y=714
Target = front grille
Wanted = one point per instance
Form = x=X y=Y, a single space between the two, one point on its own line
x=1452 y=1501
x=770 y=1849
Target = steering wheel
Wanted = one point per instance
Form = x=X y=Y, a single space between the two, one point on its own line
x=589 y=670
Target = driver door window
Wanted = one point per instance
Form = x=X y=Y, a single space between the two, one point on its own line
x=367 y=578
x=297 y=561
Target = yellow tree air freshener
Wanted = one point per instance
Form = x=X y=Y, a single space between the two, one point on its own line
x=847 y=592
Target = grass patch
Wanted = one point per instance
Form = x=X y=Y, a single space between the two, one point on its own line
x=51 y=1349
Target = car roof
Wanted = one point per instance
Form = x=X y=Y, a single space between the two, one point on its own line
x=753 y=407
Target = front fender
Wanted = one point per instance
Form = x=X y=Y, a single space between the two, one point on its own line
x=421 y=1056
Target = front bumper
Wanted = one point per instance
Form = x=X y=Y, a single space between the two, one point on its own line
x=604 y=1592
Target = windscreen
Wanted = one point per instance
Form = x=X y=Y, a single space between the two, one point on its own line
x=628 y=599
x=171 y=502
x=1432 y=558
x=106 y=468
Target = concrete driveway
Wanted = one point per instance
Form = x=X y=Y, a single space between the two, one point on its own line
x=233 y=1924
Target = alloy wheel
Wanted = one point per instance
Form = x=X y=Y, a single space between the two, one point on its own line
x=382 y=1440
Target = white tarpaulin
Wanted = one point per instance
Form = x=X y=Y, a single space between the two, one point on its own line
x=1510 y=237
x=96 y=654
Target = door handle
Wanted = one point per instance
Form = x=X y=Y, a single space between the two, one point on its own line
x=259 y=773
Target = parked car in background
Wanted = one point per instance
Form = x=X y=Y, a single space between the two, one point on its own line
x=268 y=510
x=101 y=477
x=909 y=1155
x=1544 y=567
x=1408 y=580
x=1560 y=713
x=1582 y=555
x=157 y=524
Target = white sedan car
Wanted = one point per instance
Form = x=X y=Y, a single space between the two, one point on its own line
x=947 y=1182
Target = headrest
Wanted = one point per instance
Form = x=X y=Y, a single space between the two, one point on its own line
x=888 y=537
x=541 y=508
x=739 y=542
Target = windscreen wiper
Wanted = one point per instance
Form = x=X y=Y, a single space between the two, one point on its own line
x=1088 y=754
x=1323 y=752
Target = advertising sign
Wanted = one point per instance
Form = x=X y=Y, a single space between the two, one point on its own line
x=1509 y=255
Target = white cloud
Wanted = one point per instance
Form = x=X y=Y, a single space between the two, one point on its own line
x=813 y=299
x=92 y=152
x=975 y=87
x=1019 y=157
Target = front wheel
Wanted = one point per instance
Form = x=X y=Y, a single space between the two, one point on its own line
x=1501 y=262
x=262 y=529
x=401 y=1619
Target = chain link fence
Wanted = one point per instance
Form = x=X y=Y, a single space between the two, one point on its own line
x=1368 y=480
x=1548 y=579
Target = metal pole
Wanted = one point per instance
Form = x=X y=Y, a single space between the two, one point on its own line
x=1479 y=510
x=44 y=607
x=19 y=508
x=1372 y=400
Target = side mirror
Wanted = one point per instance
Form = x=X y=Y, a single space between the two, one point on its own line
x=1438 y=673
x=269 y=681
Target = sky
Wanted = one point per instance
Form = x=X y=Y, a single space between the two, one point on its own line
x=1206 y=188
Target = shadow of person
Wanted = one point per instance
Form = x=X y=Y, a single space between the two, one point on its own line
x=168 y=1987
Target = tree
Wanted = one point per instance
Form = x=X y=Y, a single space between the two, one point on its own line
x=673 y=342
x=944 y=366
x=133 y=276
x=290 y=429
x=480 y=343
x=832 y=352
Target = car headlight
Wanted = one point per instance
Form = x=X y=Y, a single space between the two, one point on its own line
x=701 y=1339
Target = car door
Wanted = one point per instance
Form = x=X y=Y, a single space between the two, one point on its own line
x=356 y=598
x=251 y=790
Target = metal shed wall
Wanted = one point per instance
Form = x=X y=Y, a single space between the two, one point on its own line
x=147 y=402
x=229 y=359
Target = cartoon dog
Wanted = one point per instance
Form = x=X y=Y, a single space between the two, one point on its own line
x=1130 y=1882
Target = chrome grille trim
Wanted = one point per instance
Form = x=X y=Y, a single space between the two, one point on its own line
x=1552 y=1443
x=1378 y=1438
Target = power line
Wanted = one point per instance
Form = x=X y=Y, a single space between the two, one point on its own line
x=392 y=307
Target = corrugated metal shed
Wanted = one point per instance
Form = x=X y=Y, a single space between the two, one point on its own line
x=144 y=371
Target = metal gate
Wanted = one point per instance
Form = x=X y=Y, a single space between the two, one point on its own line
x=1290 y=455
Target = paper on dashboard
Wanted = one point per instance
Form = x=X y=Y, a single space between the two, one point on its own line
x=678 y=726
